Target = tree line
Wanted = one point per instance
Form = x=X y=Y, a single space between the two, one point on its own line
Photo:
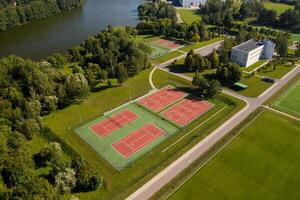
x=18 y=12
x=159 y=18
x=32 y=89
x=225 y=13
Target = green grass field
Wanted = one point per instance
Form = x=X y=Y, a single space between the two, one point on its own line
x=278 y=72
x=289 y=101
x=166 y=57
x=189 y=15
x=256 y=86
x=261 y=163
x=104 y=145
x=198 y=45
x=118 y=185
x=278 y=7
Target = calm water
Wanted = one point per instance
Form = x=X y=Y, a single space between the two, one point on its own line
x=57 y=33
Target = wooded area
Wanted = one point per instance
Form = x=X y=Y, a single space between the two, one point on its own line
x=17 y=12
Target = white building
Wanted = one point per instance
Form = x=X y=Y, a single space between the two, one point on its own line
x=251 y=51
x=192 y=3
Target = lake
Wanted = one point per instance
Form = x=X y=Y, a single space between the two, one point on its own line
x=56 y=33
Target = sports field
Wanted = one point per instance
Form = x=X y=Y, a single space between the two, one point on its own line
x=290 y=101
x=161 y=47
x=261 y=163
x=133 y=134
x=161 y=99
x=186 y=111
x=132 y=130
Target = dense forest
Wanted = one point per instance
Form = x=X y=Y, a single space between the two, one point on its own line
x=31 y=89
x=17 y=12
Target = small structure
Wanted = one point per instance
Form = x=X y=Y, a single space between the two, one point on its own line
x=251 y=51
x=192 y=3
x=240 y=85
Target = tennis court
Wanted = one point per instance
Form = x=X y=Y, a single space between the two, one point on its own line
x=289 y=102
x=162 y=98
x=187 y=111
x=131 y=128
x=168 y=44
x=113 y=123
x=138 y=139
x=158 y=51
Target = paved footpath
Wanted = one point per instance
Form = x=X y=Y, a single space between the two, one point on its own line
x=166 y=175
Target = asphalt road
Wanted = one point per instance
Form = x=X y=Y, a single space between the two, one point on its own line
x=166 y=175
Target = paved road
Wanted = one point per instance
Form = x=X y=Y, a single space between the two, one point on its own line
x=166 y=175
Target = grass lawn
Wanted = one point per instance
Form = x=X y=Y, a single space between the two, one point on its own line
x=198 y=45
x=261 y=163
x=189 y=15
x=278 y=7
x=256 y=86
x=254 y=66
x=146 y=38
x=119 y=185
x=279 y=72
x=167 y=57
x=295 y=36
x=289 y=101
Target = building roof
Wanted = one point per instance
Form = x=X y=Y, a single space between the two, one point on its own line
x=249 y=45
x=241 y=85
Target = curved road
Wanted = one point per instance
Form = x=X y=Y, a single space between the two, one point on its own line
x=166 y=175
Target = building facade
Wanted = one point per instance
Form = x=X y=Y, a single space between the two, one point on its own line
x=251 y=51
x=192 y=3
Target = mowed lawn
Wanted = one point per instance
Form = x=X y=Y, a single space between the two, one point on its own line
x=278 y=7
x=261 y=163
x=278 y=72
x=198 y=45
x=290 y=100
x=189 y=15
x=256 y=86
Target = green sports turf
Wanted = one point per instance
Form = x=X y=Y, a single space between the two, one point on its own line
x=104 y=145
x=261 y=163
x=290 y=101
x=158 y=51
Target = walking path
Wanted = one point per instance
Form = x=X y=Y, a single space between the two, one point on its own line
x=150 y=78
x=170 y=172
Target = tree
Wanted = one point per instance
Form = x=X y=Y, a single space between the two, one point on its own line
x=49 y=154
x=214 y=59
x=228 y=21
x=229 y=74
x=121 y=74
x=297 y=52
x=77 y=86
x=86 y=177
x=65 y=181
x=282 y=44
x=195 y=37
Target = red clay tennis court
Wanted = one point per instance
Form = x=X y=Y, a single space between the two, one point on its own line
x=162 y=98
x=113 y=123
x=187 y=111
x=167 y=43
x=137 y=140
